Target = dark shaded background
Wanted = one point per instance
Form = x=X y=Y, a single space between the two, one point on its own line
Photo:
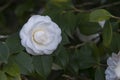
x=14 y=13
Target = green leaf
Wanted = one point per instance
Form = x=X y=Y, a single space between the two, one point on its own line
x=14 y=78
x=10 y=78
x=12 y=69
x=61 y=57
x=74 y=62
x=83 y=17
x=17 y=78
x=3 y=76
x=24 y=61
x=4 y=52
x=115 y=43
x=85 y=57
x=99 y=15
x=42 y=65
x=66 y=21
x=99 y=74
x=14 y=43
x=96 y=52
x=89 y=28
x=65 y=39
x=107 y=34
x=62 y=4
x=69 y=22
x=81 y=59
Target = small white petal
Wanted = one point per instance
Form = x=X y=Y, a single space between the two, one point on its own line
x=101 y=23
x=87 y=38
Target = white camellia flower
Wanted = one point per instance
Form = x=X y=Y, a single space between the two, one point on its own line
x=113 y=70
x=40 y=35
x=102 y=23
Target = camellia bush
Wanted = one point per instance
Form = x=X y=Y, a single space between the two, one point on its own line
x=59 y=40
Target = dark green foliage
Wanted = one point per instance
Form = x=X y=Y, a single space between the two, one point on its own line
x=4 y=53
x=74 y=59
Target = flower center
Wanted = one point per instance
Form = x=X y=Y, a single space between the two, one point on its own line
x=40 y=37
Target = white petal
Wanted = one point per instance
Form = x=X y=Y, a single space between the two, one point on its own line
x=37 y=18
x=113 y=70
x=32 y=38
x=48 y=52
x=110 y=62
x=101 y=23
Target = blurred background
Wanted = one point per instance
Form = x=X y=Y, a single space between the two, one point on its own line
x=14 y=13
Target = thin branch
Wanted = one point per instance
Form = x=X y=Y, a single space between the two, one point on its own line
x=5 y=6
x=107 y=5
x=79 y=10
x=115 y=17
x=68 y=77
x=85 y=4
x=103 y=6
x=77 y=46
x=118 y=30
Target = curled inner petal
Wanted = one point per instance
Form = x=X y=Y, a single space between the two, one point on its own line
x=40 y=37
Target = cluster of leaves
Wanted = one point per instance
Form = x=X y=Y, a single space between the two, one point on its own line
x=76 y=58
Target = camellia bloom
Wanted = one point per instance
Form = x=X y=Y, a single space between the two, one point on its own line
x=40 y=35
x=113 y=70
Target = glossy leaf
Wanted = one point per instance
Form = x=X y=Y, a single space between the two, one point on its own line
x=66 y=21
x=65 y=39
x=12 y=69
x=74 y=63
x=99 y=74
x=42 y=65
x=24 y=61
x=86 y=59
x=14 y=43
x=99 y=15
x=3 y=76
x=115 y=43
x=61 y=57
x=89 y=28
x=4 y=52
x=107 y=34
x=82 y=17
x=14 y=78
